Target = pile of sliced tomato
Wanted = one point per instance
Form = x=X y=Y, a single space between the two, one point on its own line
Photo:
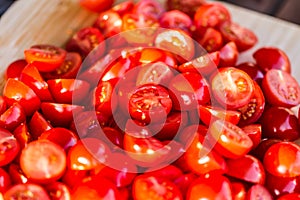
x=134 y=108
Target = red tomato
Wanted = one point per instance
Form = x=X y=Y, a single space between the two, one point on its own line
x=153 y=55
x=86 y=40
x=43 y=161
x=254 y=132
x=16 y=174
x=45 y=57
x=184 y=181
x=281 y=89
x=211 y=40
x=14 y=69
x=231 y=141
x=243 y=37
x=261 y=149
x=228 y=55
x=5 y=181
x=60 y=114
x=238 y=191
x=16 y=91
x=272 y=58
x=68 y=69
x=96 y=5
x=58 y=191
x=279 y=186
x=149 y=8
x=32 y=78
x=252 y=70
x=169 y=172
x=258 y=192
x=294 y=196
x=210 y=186
x=38 y=124
x=123 y=7
x=74 y=177
x=26 y=191
x=114 y=136
x=189 y=6
x=3 y=105
x=22 y=135
x=232 y=87
x=150 y=103
x=176 y=42
x=283 y=159
x=156 y=188
x=176 y=19
x=12 y=117
x=246 y=168
x=9 y=147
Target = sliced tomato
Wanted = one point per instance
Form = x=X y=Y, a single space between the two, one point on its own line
x=96 y=5
x=6 y=181
x=16 y=174
x=12 y=117
x=3 y=105
x=58 y=191
x=252 y=70
x=228 y=55
x=254 y=131
x=22 y=135
x=258 y=191
x=123 y=7
x=26 y=191
x=38 y=124
x=238 y=191
x=176 y=19
x=45 y=57
x=9 y=147
x=15 y=68
x=149 y=8
x=211 y=40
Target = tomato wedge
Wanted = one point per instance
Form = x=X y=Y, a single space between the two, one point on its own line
x=26 y=191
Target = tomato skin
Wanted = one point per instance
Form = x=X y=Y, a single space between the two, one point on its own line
x=15 y=68
x=252 y=70
x=210 y=186
x=38 y=124
x=9 y=147
x=176 y=19
x=272 y=58
x=254 y=131
x=238 y=191
x=96 y=5
x=184 y=181
x=45 y=57
x=16 y=174
x=279 y=186
x=3 y=105
x=58 y=191
x=123 y=7
x=26 y=191
x=280 y=88
x=294 y=196
x=149 y=8
x=211 y=40
x=282 y=159
x=5 y=181
x=12 y=117
x=189 y=7
x=258 y=192
x=16 y=91
x=228 y=55
x=22 y=135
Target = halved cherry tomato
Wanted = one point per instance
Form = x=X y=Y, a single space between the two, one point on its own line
x=43 y=161
x=189 y=6
x=26 y=191
x=211 y=40
x=283 y=159
x=74 y=177
x=153 y=55
x=22 y=135
x=150 y=103
x=272 y=58
x=123 y=7
x=252 y=70
x=294 y=196
x=5 y=181
x=16 y=174
x=96 y=5
x=232 y=87
x=58 y=191
x=280 y=88
x=114 y=136
x=156 y=188
x=46 y=58
x=9 y=147
x=258 y=192
x=184 y=181
x=176 y=19
x=17 y=91
x=279 y=186
x=238 y=191
x=38 y=124
x=170 y=172
x=3 y=105
x=231 y=141
x=12 y=117
x=32 y=78
x=254 y=131
x=149 y=8
x=228 y=55
x=15 y=68
x=243 y=37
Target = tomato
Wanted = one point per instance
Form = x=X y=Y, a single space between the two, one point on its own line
x=243 y=37
x=61 y=136
x=32 y=78
x=96 y=5
x=58 y=191
x=210 y=186
x=45 y=57
x=231 y=141
x=150 y=103
x=176 y=42
x=238 y=191
x=184 y=181
x=3 y=105
x=261 y=149
x=87 y=154
x=211 y=40
x=15 y=68
x=254 y=131
x=209 y=114
x=16 y=91
x=152 y=187
x=282 y=159
x=38 y=124
x=228 y=55
x=232 y=87
x=152 y=55
x=74 y=177
x=211 y=15
x=16 y=174
x=251 y=112
x=258 y=192
x=22 y=135
x=12 y=117
x=68 y=69
x=26 y=191
x=204 y=64
x=9 y=147
x=250 y=169
x=86 y=40
x=68 y=90
x=252 y=70
x=123 y=7
x=279 y=186
x=149 y=8
x=280 y=88
x=188 y=90
x=5 y=181
x=189 y=6
x=43 y=161
x=294 y=196
x=169 y=172
x=114 y=136
x=272 y=58
x=175 y=19
x=280 y=123
x=60 y=114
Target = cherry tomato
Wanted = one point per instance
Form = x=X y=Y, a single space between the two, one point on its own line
x=68 y=69
x=114 y=136
x=43 y=161
x=211 y=40
x=258 y=192
x=9 y=147
x=5 y=181
x=231 y=141
x=280 y=88
x=280 y=123
x=32 y=78
x=294 y=196
x=45 y=57
x=150 y=103
x=26 y=191
x=243 y=37
x=17 y=91
x=272 y=58
x=86 y=40
x=152 y=187
x=232 y=87
x=282 y=159
x=74 y=177
x=16 y=174
x=38 y=124
x=3 y=105
x=228 y=55
x=279 y=186
x=238 y=191
x=22 y=135
x=123 y=7
x=260 y=151
x=169 y=172
x=252 y=70
x=149 y=8
x=189 y=6
x=96 y=5
x=176 y=19
x=15 y=68
x=12 y=117
x=184 y=181
x=210 y=186
x=254 y=131
x=58 y=191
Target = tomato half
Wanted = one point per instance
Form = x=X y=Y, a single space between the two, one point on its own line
x=38 y=124
x=6 y=181
x=26 y=191
x=176 y=19
x=96 y=5
x=228 y=55
x=15 y=68
x=9 y=147
x=211 y=40
x=258 y=192
x=12 y=117
x=149 y=8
